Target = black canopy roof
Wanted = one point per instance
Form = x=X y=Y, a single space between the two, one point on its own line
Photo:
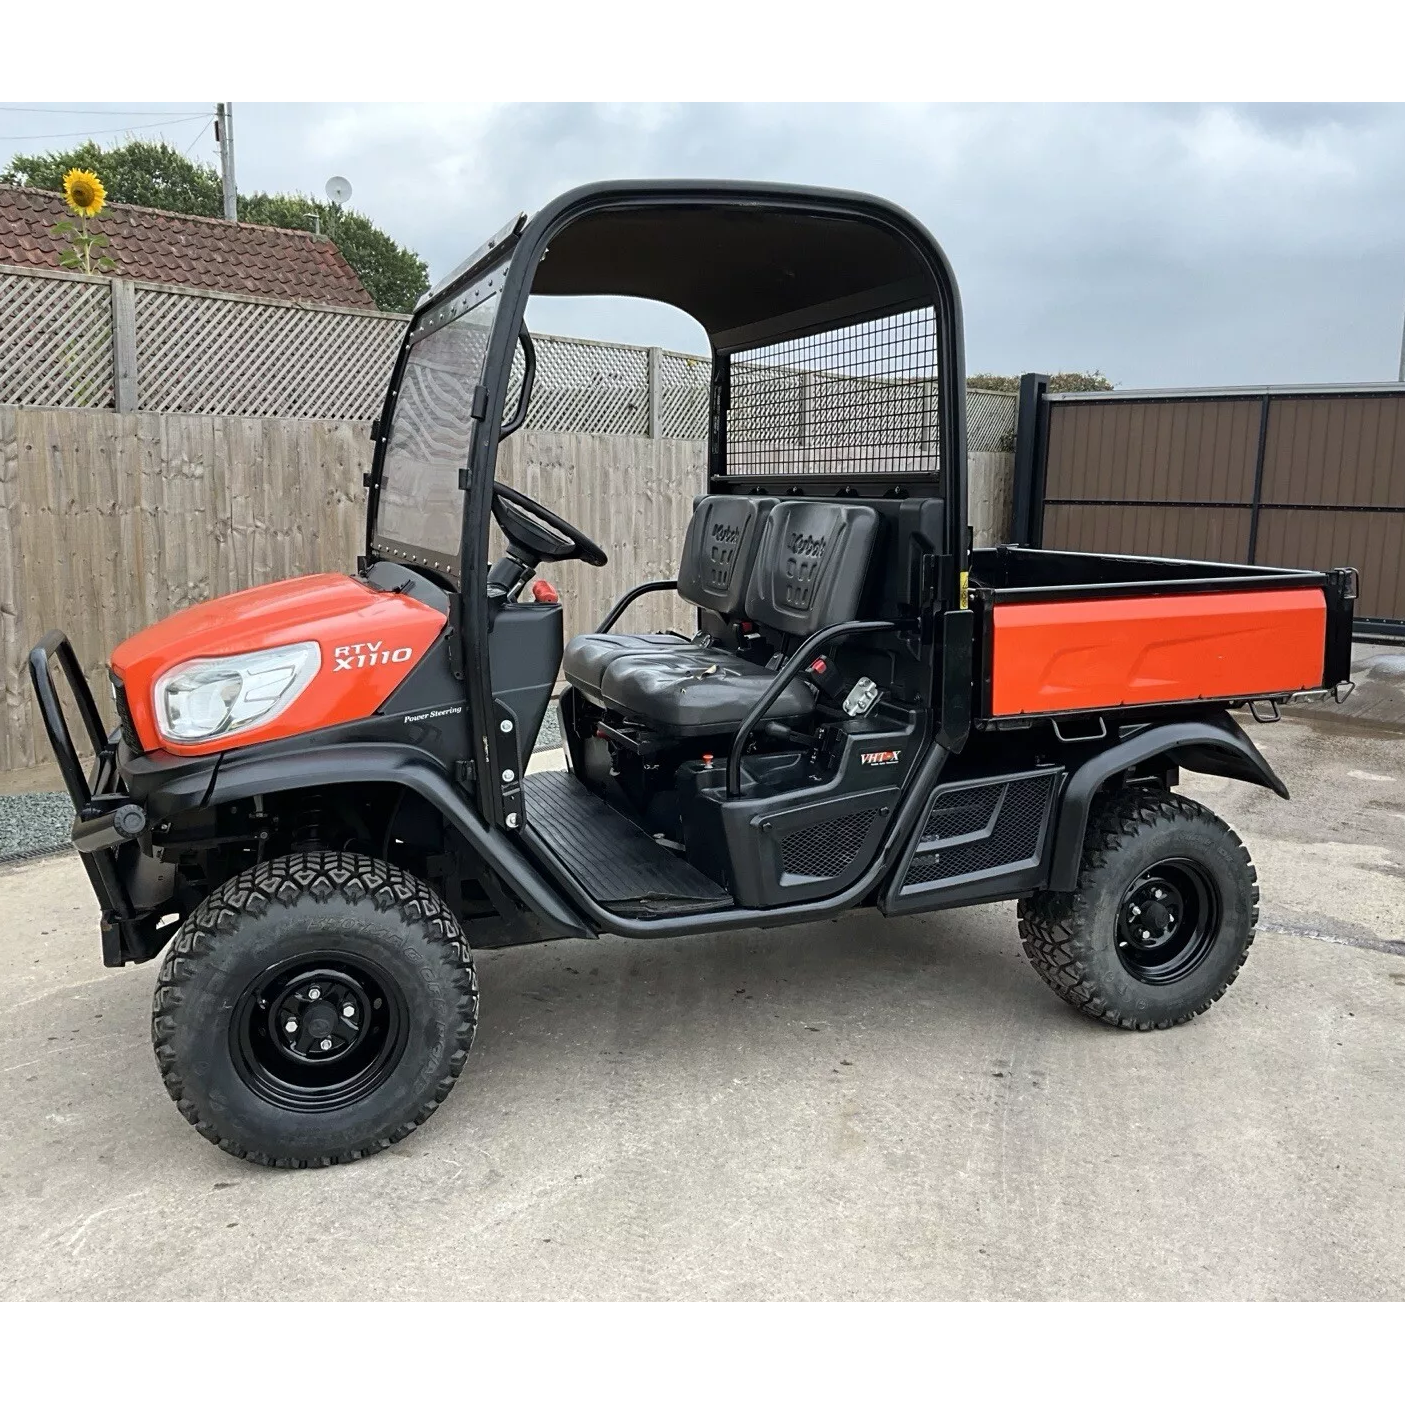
x=749 y=274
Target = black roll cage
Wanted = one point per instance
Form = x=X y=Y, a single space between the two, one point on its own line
x=513 y=256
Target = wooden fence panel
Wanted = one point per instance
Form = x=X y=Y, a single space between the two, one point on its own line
x=110 y=522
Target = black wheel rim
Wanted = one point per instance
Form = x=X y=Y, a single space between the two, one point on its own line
x=1168 y=920
x=318 y=1032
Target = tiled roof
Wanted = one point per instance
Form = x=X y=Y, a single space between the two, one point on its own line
x=159 y=247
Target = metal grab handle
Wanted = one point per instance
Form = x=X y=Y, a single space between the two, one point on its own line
x=55 y=645
x=529 y=379
x=799 y=660
x=627 y=599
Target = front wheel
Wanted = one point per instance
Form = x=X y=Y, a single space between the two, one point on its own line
x=314 y=1009
x=1162 y=917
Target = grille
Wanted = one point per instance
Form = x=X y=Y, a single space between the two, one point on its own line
x=826 y=850
x=861 y=399
x=124 y=718
x=1014 y=839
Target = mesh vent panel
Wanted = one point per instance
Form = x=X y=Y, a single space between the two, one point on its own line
x=861 y=399
x=124 y=719
x=1015 y=838
x=961 y=812
x=826 y=850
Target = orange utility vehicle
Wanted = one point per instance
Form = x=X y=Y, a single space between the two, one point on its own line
x=317 y=792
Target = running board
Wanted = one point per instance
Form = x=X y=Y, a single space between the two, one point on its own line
x=621 y=866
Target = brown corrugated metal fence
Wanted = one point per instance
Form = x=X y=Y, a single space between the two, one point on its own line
x=1308 y=477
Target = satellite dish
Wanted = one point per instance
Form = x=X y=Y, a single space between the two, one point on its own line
x=338 y=190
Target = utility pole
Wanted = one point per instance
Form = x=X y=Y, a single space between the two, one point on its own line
x=224 y=132
x=1401 y=376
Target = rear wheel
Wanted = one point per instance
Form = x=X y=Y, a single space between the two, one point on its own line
x=1162 y=918
x=314 y=1009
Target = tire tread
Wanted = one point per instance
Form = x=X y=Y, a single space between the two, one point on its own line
x=285 y=881
x=1053 y=926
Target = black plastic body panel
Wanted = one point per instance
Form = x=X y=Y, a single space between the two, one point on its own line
x=991 y=854
x=525 y=648
x=1218 y=747
x=319 y=767
x=803 y=909
x=801 y=828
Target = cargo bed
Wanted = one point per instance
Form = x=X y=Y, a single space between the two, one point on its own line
x=1060 y=632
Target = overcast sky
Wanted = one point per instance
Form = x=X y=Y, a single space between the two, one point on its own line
x=1162 y=245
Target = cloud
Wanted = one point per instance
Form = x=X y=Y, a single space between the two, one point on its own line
x=1163 y=244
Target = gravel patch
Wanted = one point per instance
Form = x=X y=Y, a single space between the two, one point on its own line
x=550 y=734
x=34 y=824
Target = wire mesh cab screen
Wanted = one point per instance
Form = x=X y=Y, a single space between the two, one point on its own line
x=419 y=516
x=860 y=399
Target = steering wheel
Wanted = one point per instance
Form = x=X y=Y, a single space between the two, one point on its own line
x=538 y=533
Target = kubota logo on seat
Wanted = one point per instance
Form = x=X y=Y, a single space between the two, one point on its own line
x=803 y=544
x=346 y=657
x=723 y=532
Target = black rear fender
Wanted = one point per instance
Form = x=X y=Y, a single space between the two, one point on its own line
x=1217 y=747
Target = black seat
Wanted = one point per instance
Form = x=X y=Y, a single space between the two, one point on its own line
x=589 y=655
x=713 y=573
x=698 y=692
x=809 y=573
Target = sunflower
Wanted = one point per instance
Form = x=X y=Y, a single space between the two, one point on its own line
x=84 y=193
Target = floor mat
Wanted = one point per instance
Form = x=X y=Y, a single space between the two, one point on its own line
x=615 y=861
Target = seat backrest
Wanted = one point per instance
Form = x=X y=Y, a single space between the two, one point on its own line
x=810 y=565
x=719 y=551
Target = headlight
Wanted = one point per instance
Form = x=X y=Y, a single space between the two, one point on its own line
x=204 y=698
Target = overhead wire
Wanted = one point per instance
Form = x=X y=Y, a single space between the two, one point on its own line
x=104 y=111
x=106 y=132
x=198 y=135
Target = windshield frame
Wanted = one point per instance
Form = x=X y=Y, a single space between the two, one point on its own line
x=447 y=567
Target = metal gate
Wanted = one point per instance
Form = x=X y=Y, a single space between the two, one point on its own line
x=1304 y=476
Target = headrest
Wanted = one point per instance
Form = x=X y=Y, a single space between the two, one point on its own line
x=810 y=565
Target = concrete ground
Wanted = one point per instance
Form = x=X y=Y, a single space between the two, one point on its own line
x=856 y=1109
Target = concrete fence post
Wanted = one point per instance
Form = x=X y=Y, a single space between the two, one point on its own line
x=124 y=346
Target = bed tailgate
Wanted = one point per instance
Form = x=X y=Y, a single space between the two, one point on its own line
x=1127 y=650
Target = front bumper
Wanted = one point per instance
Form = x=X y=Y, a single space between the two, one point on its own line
x=109 y=823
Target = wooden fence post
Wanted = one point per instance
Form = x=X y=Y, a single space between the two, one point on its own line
x=655 y=394
x=124 y=346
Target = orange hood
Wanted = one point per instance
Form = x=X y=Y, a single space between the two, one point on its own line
x=369 y=641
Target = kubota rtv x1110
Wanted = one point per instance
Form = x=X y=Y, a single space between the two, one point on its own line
x=315 y=798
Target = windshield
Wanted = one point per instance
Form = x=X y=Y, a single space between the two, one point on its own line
x=419 y=516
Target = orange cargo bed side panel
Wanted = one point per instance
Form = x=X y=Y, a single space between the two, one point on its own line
x=1076 y=655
